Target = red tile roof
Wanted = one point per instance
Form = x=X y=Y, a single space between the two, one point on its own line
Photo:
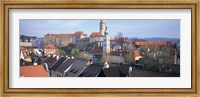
x=96 y=34
x=116 y=53
x=152 y=43
x=49 y=47
x=78 y=33
x=33 y=71
x=136 y=53
x=26 y=48
x=97 y=49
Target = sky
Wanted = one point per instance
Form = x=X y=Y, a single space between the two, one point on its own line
x=129 y=28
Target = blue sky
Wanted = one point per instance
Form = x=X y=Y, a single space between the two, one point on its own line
x=129 y=28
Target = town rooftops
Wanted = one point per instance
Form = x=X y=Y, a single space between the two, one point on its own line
x=143 y=43
x=77 y=67
x=143 y=73
x=49 y=60
x=25 y=63
x=97 y=49
x=26 y=48
x=92 y=70
x=118 y=71
x=49 y=47
x=33 y=71
x=57 y=63
x=96 y=34
x=65 y=65
x=79 y=33
x=117 y=53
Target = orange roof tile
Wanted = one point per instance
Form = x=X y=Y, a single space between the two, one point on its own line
x=33 y=71
x=97 y=49
x=49 y=47
x=152 y=43
x=136 y=53
x=78 y=33
x=117 y=53
x=26 y=48
x=96 y=34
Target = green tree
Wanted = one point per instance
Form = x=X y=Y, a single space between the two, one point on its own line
x=75 y=52
x=79 y=55
x=157 y=57
x=61 y=52
x=83 y=56
x=129 y=55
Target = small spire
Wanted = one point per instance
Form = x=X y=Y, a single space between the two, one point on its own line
x=102 y=21
x=106 y=32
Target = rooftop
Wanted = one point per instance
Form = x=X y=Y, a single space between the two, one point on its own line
x=137 y=53
x=49 y=60
x=92 y=70
x=143 y=73
x=118 y=71
x=33 y=71
x=66 y=64
x=142 y=43
x=58 y=63
x=96 y=34
x=117 y=53
x=49 y=47
x=77 y=67
x=78 y=33
x=97 y=49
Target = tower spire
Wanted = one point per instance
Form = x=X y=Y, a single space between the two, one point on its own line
x=106 y=32
x=102 y=26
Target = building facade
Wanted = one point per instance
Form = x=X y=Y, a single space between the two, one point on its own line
x=99 y=36
x=63 y=39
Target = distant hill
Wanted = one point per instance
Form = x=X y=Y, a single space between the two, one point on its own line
x=161 y=39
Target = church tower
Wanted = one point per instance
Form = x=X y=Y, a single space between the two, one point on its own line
x=106 y=42
x=102 y=27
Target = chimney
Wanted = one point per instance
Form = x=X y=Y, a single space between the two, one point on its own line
x=130 y=69
x=106 y=65
x=34 y=63
x=90 y=61
x=54 y=55
x=21 y=55
x=57 y=57
x=46 y=67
